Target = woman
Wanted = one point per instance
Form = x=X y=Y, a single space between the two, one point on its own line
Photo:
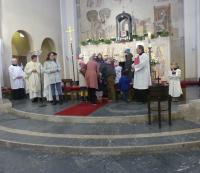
x=52 y=71
x=92 y=74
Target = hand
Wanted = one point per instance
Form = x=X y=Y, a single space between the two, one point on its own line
x=20 y=77
x=34 y=71
x=53 y=71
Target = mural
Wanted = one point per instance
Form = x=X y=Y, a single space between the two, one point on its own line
x=162 y=17
x=98 y=21
x=98 y=17
x=94 y=3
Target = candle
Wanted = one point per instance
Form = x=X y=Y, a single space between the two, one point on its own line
x=149 y=35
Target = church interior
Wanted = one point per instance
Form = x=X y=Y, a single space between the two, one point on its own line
x=99 y=86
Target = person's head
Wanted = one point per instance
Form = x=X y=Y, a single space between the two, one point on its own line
x=116 y=63
x=55 y=55
x=100 y=56
x=140 y=49
x=51 y=56
x=34 y=58
x=127 y=51
x=14 y=61
x=93 y=57
x=174 y=65
x=109 y=61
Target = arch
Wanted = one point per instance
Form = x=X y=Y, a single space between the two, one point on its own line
x=21 y=46
x=47 y=46
x=122 y=20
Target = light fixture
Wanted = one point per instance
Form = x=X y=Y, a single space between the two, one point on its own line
x=21 y=35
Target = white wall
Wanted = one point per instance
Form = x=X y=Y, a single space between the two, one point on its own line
x=40 y=19
x=190 y=26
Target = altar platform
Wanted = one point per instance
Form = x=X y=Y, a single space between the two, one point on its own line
x=118 y=108
x=114 y=129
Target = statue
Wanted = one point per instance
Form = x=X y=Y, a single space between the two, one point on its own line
x=124 y=26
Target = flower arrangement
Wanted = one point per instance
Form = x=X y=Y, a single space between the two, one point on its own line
x=113 y=39
x=154 y=59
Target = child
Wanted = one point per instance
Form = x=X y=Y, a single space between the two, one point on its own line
x=124 y=85
x=82 y=81
x=118 y=71
x=175 y=89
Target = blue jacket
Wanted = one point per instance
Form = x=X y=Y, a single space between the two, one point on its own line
x=124 y=83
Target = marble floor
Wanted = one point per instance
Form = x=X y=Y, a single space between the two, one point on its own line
x=118 y=108
x=23 y=161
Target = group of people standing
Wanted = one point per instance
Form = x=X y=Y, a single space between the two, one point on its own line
x=107 y=75
x=31 y=79
x=97 y=78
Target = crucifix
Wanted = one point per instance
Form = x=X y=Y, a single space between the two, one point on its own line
x=70 y=30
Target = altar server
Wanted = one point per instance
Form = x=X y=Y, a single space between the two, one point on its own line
x=118 y=71
x=82 y=81
x=33 y=72
x=16 y=80
x=175 y=89
x=142 y=77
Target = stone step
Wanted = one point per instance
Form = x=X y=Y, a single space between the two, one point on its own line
x=15 y=122
x=26 y=133
x=99 y=146
x=94 y=120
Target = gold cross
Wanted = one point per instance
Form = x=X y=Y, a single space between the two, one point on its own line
x=69 y=31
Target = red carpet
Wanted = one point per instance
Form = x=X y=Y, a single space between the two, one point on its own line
x=82 y=109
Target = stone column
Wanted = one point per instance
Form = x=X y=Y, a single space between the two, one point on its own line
x=190 y=32
x=1 y=71
x=198 y=37
x=69 y=19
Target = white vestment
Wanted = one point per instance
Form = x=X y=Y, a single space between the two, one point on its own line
x=52 y=75
x=142 y=76
x=33 y=79
x=16 y=72
x=175 y=89
x=82 y=81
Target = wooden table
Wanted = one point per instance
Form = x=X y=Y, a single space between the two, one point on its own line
x=159 y=93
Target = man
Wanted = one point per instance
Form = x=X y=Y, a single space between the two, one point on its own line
x=33 y=72
x=16 y=80
x=110 y=76
x=128 y=63
x=142 y=76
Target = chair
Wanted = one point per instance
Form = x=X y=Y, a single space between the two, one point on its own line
x=159 y=93
x=70 y=90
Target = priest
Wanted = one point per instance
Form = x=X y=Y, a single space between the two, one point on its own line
x=33 y=72
x=142 y=75
x=16 y=80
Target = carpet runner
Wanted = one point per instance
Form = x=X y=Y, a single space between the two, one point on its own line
x=82 y=109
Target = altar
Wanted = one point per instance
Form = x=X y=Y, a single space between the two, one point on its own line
x=160 y=53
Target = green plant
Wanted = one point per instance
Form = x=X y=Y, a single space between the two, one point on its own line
x=84 y=43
